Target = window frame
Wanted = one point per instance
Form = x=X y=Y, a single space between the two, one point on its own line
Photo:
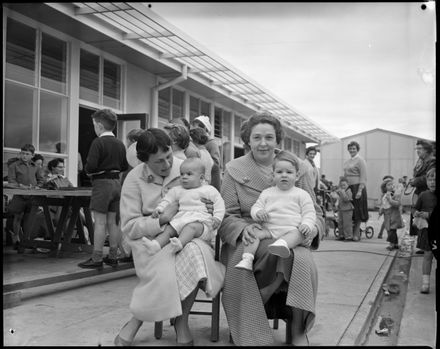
x=36 y=86
x=115 y=60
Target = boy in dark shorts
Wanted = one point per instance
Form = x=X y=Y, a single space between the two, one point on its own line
x=23 y=173
x=105 y=162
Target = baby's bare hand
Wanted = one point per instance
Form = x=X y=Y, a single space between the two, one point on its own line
x=262 y=216
x=304 y=229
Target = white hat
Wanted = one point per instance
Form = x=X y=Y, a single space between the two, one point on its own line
x=205 y=121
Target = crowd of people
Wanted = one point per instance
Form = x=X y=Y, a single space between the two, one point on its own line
x=164 y=196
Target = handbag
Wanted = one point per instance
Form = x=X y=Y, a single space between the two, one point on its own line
x=409 y=197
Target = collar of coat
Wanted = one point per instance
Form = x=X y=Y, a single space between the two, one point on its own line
x=150 y=177
x=245 y=171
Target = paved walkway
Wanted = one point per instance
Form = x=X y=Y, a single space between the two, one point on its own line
x=91 y=311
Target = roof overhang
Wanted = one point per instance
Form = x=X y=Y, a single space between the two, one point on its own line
x=139 y=36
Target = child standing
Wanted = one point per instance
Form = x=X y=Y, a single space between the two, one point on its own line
x=200 y=138
x=23 y=173
x=287 y=212
x=105 y=162
x=423 y=209
x=193 y=219
x=390 y=208
x=345 y=210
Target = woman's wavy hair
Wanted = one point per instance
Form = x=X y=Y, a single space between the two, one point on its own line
x=354 y=144
x=261 y=118
x=150 y=142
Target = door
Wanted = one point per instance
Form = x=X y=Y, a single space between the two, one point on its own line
x=128 y=122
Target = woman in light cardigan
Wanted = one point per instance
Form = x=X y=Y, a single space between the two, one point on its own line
x=355 y=170
x=168 y=282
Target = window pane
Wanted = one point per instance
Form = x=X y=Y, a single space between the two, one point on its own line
x=193 y=108
x=53 y=121
x=226 y=125
x=20 y=52
x=18 y=116
x=205 y=108
x=237 y=124
x=164 y=103
x=89 y=77
x=112 y=85
x=296 y=147
x=53 y=64
x=288 y=144
x=218 y=122
x=177 y=104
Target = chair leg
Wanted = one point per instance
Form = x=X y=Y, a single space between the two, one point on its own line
x=215 y=318
x=158 y=325
x=289 y=331
x=275 y=324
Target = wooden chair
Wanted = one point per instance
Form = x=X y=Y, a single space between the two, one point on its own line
x=275 y=311
x=215 y=310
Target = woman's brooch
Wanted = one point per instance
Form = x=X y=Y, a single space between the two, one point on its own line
x=150 y=179
x=246 y=179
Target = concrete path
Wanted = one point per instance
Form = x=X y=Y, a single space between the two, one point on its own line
x=91 y=311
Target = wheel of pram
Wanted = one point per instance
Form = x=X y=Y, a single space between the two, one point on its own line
x=336 y=232
x=369 y=232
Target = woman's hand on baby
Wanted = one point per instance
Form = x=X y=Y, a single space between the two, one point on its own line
x=309 y=235
x=156 y=213
x=250 y=233
x=209 y=204
x=262 y=216
x=215 y=222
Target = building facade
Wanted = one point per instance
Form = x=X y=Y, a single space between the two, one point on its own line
x=385 y=152
x=63 y=61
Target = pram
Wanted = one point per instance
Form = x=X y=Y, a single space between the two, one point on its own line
x=326 y=199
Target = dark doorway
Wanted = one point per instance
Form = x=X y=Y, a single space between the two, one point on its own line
x=86 y=135
x=238 y=152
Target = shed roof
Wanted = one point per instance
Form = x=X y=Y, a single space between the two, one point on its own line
x=385 y=131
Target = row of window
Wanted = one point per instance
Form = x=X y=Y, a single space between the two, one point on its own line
x=37 y=91
x=37 y=86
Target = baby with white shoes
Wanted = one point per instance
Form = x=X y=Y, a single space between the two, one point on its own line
x=287 y=212
x=193 y=220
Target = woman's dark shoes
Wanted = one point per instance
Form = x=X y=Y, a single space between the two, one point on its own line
x=340 y=238
x=90 y=264
x=128 y=259
x=113 y=262
x=379 y=236
x=420 y=252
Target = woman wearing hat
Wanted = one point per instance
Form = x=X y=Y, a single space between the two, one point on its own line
x=202 y=121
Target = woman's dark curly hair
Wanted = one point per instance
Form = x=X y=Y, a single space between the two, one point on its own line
x=261 y=118
x=354 y=144
x=180 y=135
x=199 y=136
x=150 y=142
